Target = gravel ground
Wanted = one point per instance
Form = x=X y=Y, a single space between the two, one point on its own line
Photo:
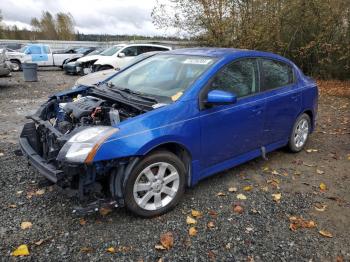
x=260 y=233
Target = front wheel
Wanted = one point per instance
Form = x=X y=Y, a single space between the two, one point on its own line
x=300 y=133
x=16 y=65
x=155 y=185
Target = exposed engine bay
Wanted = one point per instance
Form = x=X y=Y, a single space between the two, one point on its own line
x=69 y=113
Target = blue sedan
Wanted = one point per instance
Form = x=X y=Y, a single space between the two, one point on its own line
x=140 y=137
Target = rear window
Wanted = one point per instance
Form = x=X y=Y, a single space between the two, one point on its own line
x=275 y=74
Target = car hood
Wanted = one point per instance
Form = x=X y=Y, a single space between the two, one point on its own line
x=88 y=58
x=94 y=78
x=13 y=54
x=106 y=60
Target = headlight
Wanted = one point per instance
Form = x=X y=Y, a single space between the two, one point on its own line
x=82 y=146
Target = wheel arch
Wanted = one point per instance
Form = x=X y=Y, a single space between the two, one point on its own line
x=178 y=149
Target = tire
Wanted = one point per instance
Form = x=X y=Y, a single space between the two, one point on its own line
x=300 y=133
x=16 y=65
x=168 y=191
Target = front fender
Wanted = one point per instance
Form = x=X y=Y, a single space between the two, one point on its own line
x=146 y=132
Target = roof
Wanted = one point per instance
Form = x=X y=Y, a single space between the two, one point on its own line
x=222 y=52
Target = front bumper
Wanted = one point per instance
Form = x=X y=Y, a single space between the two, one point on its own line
x=47 y=170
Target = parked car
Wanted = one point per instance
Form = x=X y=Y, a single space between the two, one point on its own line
x=102 y=76
x=168 y=122
x=12 y=46
x=115 y=57
x=5 y=64
x=39 y=54
x=69 y=65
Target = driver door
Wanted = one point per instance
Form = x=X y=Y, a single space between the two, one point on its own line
x=228 y=131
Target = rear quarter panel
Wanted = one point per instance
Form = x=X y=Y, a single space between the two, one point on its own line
x=310 y=98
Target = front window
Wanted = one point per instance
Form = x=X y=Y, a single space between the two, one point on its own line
x=239 y=77
x=111 y=51
x=162 y=75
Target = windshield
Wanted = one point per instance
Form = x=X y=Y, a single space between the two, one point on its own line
x=111 y=51
x=162 y=75
x=95 y=52
x=23 y=49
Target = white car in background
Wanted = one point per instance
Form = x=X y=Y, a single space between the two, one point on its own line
x=115 y=57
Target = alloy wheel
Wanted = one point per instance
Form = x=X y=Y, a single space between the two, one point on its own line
x=301 y=133
x=156 y=186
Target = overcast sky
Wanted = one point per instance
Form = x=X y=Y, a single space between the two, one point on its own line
x=91 y=16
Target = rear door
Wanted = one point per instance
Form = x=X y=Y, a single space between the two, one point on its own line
x=283 y=99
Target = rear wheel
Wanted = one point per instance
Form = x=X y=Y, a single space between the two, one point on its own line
x=300 y=133
x=155 y=185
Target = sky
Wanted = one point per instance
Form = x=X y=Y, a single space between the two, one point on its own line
x=91 y=16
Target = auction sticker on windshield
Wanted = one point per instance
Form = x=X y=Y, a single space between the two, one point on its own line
x=197 y=61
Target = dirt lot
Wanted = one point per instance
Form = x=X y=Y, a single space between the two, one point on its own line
x=261 y=231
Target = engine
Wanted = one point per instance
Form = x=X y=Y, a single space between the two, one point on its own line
x=89 y=111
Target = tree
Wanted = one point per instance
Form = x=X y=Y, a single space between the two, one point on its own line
x=61 y=27
x=313 y=33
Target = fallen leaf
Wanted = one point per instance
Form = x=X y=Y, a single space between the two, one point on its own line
x=19 y=192
x=265 y=189
x=228 y=246
x=320 y=172
x=104 y=211
x=211 y=224
x=12 y=206
x=38 y=243
x=159 y=247
x=40 y=192
x=232 y=189
x=340 y=259
x=196 y=213
x=221 y=194
x=241 y=197
x=211 y=255
x=265 y=168
x=311 y=150
x=274 y=172
x=299 y=222
x=277 y=197
x=22 y=250
x=26 y=225
x=191 y=221
x=111 y=250
x=1 y=154
x=167 y=240
x=192 y=231
x=82 y=221
x=86 y=250
x=247 y=188
x=323 y=187
x=249 y=229
x=238 y=209
x=213 y=213
x=325 y=233
x=320 y=207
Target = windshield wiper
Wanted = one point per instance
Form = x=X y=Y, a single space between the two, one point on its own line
x=139 y=94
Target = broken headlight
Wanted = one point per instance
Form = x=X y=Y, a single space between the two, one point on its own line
x=82 y=146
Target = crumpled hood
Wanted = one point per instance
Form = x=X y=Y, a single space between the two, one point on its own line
x=88 y=58
x=109 y=60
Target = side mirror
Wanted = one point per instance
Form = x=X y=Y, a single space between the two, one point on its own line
x=27 y=52
x=219 y=97
x=121 y=54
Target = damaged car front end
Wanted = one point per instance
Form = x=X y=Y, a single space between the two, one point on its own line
x=65 y=133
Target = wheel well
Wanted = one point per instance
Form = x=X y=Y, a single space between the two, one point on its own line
x=15 y=60
x=181 y=152
x=106 y=66
x=309 y=113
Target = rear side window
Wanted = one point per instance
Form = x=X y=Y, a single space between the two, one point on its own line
x=238 y=77
x=46 y=49
x=131 y=51
x=275 y=74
